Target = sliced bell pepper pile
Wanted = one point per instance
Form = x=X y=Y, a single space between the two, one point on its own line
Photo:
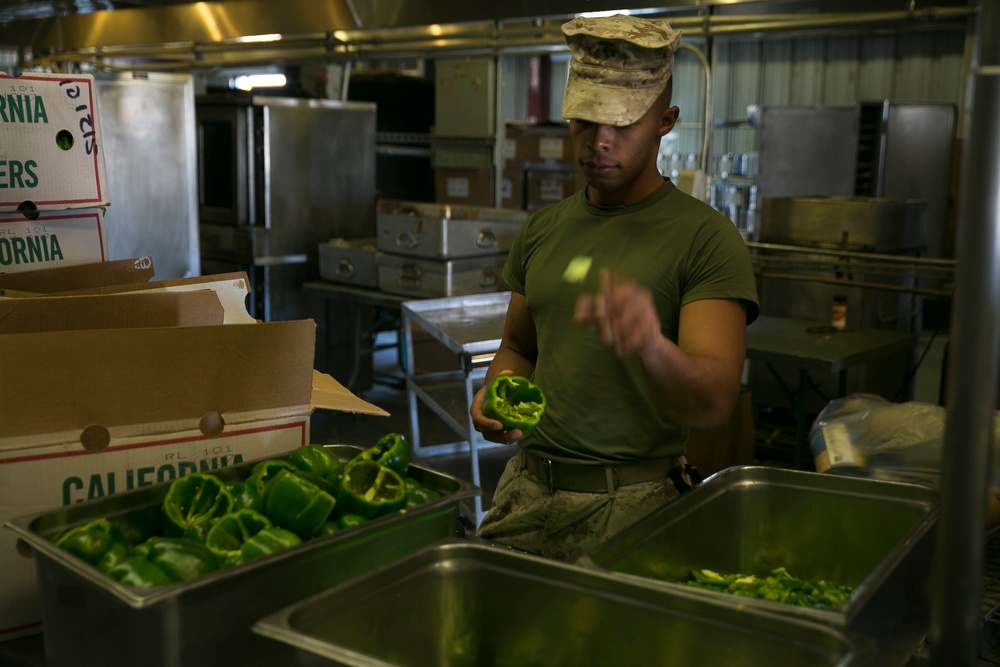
x=370 y=489
x=295 y=503
x=194 y=499
x=268 y=541
x=392 y=451
x=516 y=402
x=99 y=543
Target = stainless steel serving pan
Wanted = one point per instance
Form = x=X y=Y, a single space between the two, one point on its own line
x=876 y=536
x=207 y=621
x=464 y=603
x=444 y=231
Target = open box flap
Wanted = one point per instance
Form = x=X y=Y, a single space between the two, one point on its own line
x=329 y=394
x=79 y=276
x=110 y=311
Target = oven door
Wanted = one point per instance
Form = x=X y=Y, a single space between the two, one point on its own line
x=225 y=144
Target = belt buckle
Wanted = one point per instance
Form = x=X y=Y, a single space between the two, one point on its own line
x=549 y=475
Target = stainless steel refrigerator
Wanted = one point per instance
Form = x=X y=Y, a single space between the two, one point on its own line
x=276 y=177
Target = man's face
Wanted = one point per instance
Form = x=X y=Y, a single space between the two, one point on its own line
x=620 y=162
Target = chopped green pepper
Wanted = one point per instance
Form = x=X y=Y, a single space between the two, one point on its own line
x=100 y=543
x=232 y=531
x=515 y=402
x=417 y=493
x=370 y=489
x=193 y=499
x=180 y=558
x=317 y=459
x=392 y=451
x=778 y=586
x=296 y=504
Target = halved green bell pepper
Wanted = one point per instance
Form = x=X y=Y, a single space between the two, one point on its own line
x=193 y=499
x=100 y=543
x=245 y=496
x=392 y=451
x=370 y=489
x=180 y=558
x=138 y=572
x=319 y=460
x=516 y=402
x=262 y=474
x=268 y=541
x=293 y=502
x=231 y=532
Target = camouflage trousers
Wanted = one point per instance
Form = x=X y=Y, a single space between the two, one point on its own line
x=563 y=525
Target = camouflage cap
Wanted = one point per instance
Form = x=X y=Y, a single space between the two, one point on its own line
x=618 y=67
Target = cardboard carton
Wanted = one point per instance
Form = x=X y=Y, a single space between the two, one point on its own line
x=51 y=150
x=83 y=276
x=541 y=142
x=472 y=187
x=88 y=412
x=53 y=238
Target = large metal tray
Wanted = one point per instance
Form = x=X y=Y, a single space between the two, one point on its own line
x=473 y=604
x=874 y=535
x=443 y=231
x=207 y=621
x=349 y=261
x=411 y=276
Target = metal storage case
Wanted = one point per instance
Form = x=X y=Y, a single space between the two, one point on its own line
x=875 y=536
x=442 y=231
x=474 y=604
x=349 y=261
x=427 y=278
x=208 y=620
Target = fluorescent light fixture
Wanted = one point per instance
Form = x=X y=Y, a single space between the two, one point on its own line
x=251 y=81
x=595 y=15
x=273 y=37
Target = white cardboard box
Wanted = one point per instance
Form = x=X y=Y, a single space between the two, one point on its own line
x=51 y=150
x=54 y=238
x=95 y=411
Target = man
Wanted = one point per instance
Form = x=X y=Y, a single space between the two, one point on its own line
x=649 y=344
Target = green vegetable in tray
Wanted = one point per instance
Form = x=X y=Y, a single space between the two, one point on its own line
x=778 y=586
x=99 y=542
x=204 y=523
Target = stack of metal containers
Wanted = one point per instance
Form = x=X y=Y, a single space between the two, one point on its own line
x=439 y=250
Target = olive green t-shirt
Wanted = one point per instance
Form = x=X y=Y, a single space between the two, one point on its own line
x=675 y=245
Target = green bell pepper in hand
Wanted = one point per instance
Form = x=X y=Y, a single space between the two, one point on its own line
x=193 y=499
x=515 y=402
x=370 y=489
x=99 y=543
x=296 y=504
x=392 y=451
x=182 y=559
x=231 y=532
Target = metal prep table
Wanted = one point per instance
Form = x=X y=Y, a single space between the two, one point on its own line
x=810 y=346
x=471 y=327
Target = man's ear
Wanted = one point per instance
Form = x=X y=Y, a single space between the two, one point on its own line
x=668 y=119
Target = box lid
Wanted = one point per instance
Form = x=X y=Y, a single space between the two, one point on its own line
x=51 y=151
x=80 y=276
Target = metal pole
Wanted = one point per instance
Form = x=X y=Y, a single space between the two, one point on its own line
x=966 y=465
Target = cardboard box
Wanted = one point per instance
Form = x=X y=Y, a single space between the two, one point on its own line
x=473 y=187
x=51 y=150
x=512 y=186
x=54 y=238
x=89 y=412
x=543 y=142
x=547 y=186
x=83 y=276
